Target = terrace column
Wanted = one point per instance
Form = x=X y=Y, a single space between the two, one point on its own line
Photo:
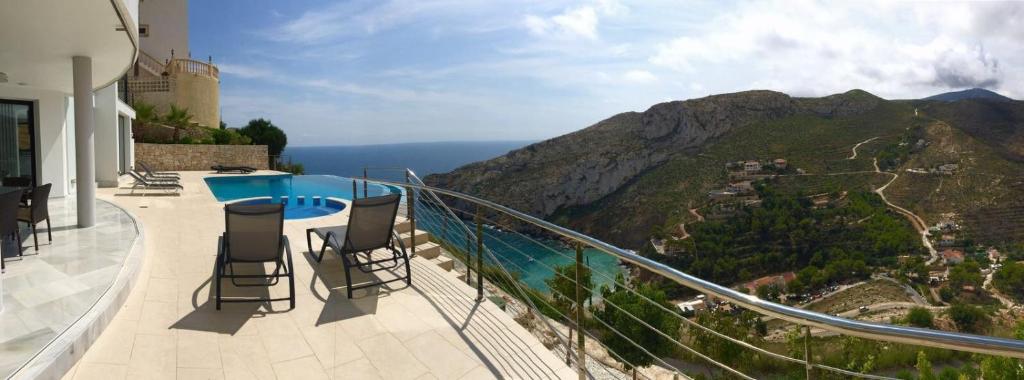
x=85 y=128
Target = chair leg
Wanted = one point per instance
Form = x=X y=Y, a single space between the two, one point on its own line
x=322 y=250
x=216 y=278
x=408 y=272
x=49 y=234
x=348 y=276
x=309 y=241
x=17 y=232
x=291 y=282
x=35 y=237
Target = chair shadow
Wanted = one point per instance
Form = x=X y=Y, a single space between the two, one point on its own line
x=233 y=315
x=337 y=305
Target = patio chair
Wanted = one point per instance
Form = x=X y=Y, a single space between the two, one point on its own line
x=220 y=169
x=23 y=182
x=254 y=235
x=371 y=227
x=37 y=211
x=172 y=187
x=9 y=220
x=155 y=174
x=150 y=178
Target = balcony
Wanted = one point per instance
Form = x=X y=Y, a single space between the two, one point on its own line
x=469 y=313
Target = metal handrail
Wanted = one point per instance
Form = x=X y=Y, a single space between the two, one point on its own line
x=874 y=331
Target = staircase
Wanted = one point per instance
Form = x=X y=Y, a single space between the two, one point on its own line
x=424 y=247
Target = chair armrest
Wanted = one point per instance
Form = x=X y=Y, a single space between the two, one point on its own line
x=221 y=248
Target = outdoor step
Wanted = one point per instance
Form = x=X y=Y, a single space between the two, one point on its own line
x=421 y=237
x=428 y=250
x=402 y=225
x=445 y=263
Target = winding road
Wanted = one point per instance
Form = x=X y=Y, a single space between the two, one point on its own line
x=854 y=155
x=918 y=223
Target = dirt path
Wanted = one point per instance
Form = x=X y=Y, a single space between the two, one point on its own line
x=700 y=218
x=854 y=155
x=918 y=223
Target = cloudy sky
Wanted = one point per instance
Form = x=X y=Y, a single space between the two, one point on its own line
x=384 y=71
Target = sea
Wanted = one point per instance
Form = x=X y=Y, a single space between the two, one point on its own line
x=532 y=258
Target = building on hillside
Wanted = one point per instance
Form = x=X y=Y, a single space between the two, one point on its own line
x=947 y=240
x=165 y=73
x=779 y=281
x=689 y=308
x=947 y=169
x=993 y=255
x=780 y=163
x=659 y=245
x=952 y=256
x=740 y=187
x=752 y=166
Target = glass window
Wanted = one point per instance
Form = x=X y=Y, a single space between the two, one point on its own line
x=17 y=150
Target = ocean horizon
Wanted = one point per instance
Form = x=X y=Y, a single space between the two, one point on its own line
x=422 y=157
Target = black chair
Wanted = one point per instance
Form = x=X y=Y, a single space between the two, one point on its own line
x=371 y=226
x=9 y=220
x=37 y=211
x=254 y=234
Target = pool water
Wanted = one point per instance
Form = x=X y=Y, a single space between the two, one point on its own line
x=297 y=192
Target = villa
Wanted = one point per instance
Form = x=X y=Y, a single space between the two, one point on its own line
x=140 y=274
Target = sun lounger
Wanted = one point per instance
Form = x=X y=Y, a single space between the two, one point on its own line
x=220 y=169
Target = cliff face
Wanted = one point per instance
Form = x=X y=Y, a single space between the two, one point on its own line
x=584 y=166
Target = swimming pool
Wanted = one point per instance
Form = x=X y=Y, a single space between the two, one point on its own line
x=304 y=196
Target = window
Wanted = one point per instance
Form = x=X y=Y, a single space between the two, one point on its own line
x=143 y=30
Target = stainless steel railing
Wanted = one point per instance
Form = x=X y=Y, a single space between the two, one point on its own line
x=429 y=197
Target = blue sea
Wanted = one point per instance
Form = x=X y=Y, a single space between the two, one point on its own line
x=533 y=259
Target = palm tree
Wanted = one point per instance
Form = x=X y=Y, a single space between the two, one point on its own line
x=145 y=113
x=179 y=118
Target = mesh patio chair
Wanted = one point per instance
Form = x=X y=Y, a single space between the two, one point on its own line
x=254 y=234
x=371 y=227
x=24 y=182
x=37 y=211
x=9 y=219
x=155 y=174
x=168 y=186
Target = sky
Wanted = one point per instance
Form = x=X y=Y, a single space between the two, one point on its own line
x=395 y=71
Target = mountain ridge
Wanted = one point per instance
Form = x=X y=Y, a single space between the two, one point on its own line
x=971 y=93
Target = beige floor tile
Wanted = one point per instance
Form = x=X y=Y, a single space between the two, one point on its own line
x=441 y=358
x=162 y=290
x=153 y=354
x=244 y=357
x=282 y=339
x=307 y=368
x=479 y=373
x=359 y=369
x=198 y=350
x=200 y=374
x=115 y=345
x=100 y=371
x=157 y=318
x=381 y=351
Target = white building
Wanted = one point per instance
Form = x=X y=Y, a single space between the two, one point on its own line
x=61 y=118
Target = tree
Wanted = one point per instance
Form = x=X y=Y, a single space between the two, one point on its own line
x=631 y=303
x=924 y=367
x=964 y=274
x=968 y=318
x=563 y=287
x=263 y=132
x=145 y=113
x=919 y=317
x=179 y=118
x=1010 y=279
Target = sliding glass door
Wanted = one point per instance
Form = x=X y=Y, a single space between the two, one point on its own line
x=17 y=142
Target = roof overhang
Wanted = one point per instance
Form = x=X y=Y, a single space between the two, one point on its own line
x=39 y=37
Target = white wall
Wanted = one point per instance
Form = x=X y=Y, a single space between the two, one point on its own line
x=105 y=115
x=52 y=114
x=168 y=28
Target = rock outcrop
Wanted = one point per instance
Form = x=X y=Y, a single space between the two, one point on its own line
x=584 y=166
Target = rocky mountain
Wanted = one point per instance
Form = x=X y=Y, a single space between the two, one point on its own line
x=974 y=93
x=638 y=174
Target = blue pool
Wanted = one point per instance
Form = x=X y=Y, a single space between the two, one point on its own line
x=299 y=193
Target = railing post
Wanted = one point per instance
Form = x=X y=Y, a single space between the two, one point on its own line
x=410 y=198
x=479 y=255
x=807 y=352
x=354 y=193
x=581 y=353
x=366 y=177
x=469 y=259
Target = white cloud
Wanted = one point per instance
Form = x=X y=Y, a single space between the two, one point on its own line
x=816 y=49
x=243 y=71
x=574 y=22
x=639 y=76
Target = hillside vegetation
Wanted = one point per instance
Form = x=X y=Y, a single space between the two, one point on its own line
x=638 y=174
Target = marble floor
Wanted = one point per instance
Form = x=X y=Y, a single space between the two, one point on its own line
x=45 y=292
x=168 y=327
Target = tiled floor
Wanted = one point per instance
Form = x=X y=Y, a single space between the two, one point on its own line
x=44 y=293
x=169 y=329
